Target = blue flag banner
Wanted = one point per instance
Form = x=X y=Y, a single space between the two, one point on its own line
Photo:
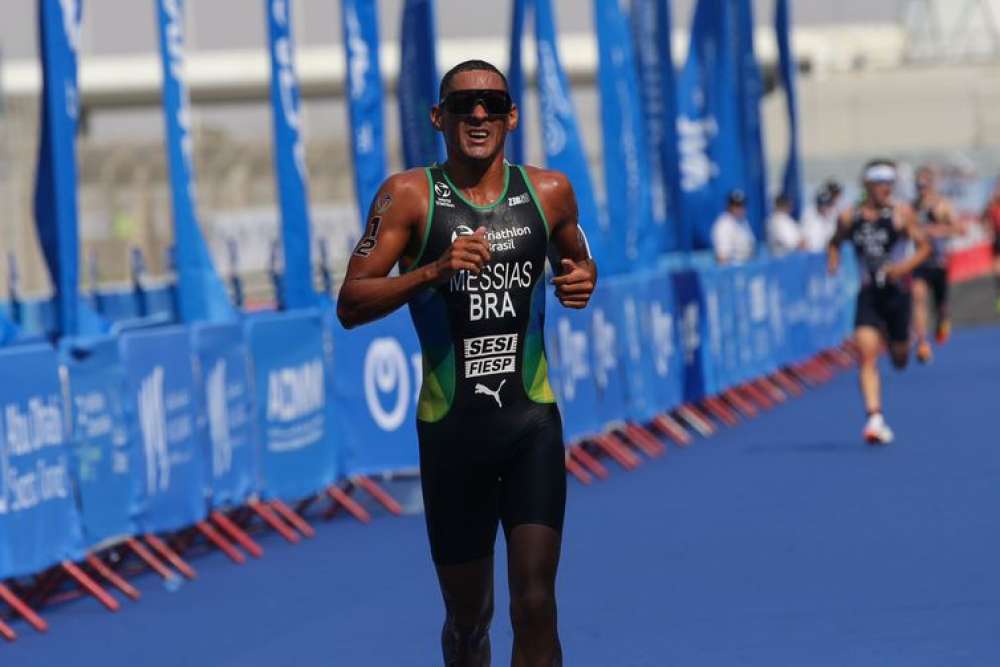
x=515 y=78
x=55 y=187
x=103 y=453
x=751 y=91
x=571 y=372
x=564 y=150
x=225 y=412
x=792 y=180
x=39 y=524
x=377 y=376
x=364 y=99
x=298 y=450
x=418 y=84
x=289 y=160
x=168 y=468
x=652 y=33
x=634 y=239
x=200 y=292
x=709 y=133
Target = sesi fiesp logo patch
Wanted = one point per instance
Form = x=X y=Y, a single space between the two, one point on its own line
x=443 y=196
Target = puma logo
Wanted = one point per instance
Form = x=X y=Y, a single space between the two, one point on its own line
x=495 y=393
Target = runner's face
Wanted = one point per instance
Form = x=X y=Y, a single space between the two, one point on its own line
x=880 y=192
x=479 y=135
x=925 y=181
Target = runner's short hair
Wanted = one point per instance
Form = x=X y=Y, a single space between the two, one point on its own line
x=468 y=66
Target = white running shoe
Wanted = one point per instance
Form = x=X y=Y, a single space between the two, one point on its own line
x=877 y=432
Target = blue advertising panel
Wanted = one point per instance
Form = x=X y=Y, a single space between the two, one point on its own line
x=39 y=524
x=571 y=372
x=169 y=463
x=102 y=452
x=225 y=412
x=298 y=451
x=377 y=374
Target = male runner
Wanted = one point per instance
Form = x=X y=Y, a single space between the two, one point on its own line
x=471 y=238
x=937 y=220
x=878 y=228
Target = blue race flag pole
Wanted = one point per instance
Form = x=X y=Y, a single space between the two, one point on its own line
x=364 y=99
x=289 y=160
x=709 y=133
x=792 y=181
x=55 y=186
x=564 y=150
x=634 y=239
x=652 y=32
x=201 y=295
x=751 y=92
x=418 y=84
x=515 y=78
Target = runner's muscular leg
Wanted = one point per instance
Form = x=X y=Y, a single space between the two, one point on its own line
x=468 y=599
x=532 y=561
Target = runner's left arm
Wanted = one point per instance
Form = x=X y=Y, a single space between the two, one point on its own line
x=569 y=251
x=922 y=248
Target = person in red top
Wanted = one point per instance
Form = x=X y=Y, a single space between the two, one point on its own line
x=991 y=218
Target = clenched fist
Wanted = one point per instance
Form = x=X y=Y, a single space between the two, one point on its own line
x=575 y=284
x=467 y=253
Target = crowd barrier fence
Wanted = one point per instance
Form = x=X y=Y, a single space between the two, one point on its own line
x=156 y=429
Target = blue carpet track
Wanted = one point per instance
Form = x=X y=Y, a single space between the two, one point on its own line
x=783 y=541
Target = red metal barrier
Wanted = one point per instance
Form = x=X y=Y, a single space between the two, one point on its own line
x=696 y=420
x=341 y=499
x=575 y=469
x=594 y=466
x=213 y=536
x=671 y=428
x=645 y=441
x=26 y=612
x=617 y=450
x=90 y=585
x=237 y=534
x=272 y=520
x=970 y=263
x=112 y=577
x=378 y=493
x=171 y=556
x=293 y=518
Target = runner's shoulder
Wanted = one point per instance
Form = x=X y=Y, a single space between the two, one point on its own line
x=548 y=182
x=405 y=193
x=555 y=192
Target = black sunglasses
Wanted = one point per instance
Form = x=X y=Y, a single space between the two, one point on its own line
x=464 y=102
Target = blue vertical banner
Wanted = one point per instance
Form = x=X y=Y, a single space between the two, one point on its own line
x=39 y=524
x=564 y=151
x=651 y=29
x=200 y=292
x=364 y=99
x=418 y=85
x=633 y=238
x=708 y=124
x=751 y=91
x=55 y=187
x=289 y=159
x=515 y=77
x=792 y=180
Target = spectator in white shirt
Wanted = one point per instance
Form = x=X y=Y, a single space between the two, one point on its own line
x=820 y=221
x=732 y=239
x=783 y=233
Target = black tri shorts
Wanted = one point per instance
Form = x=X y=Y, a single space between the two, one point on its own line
x=473 y=481
x=886 y=308
x=936 y=278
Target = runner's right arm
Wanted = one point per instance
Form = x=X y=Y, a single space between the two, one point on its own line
x=839 y=236
x=394 y=229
